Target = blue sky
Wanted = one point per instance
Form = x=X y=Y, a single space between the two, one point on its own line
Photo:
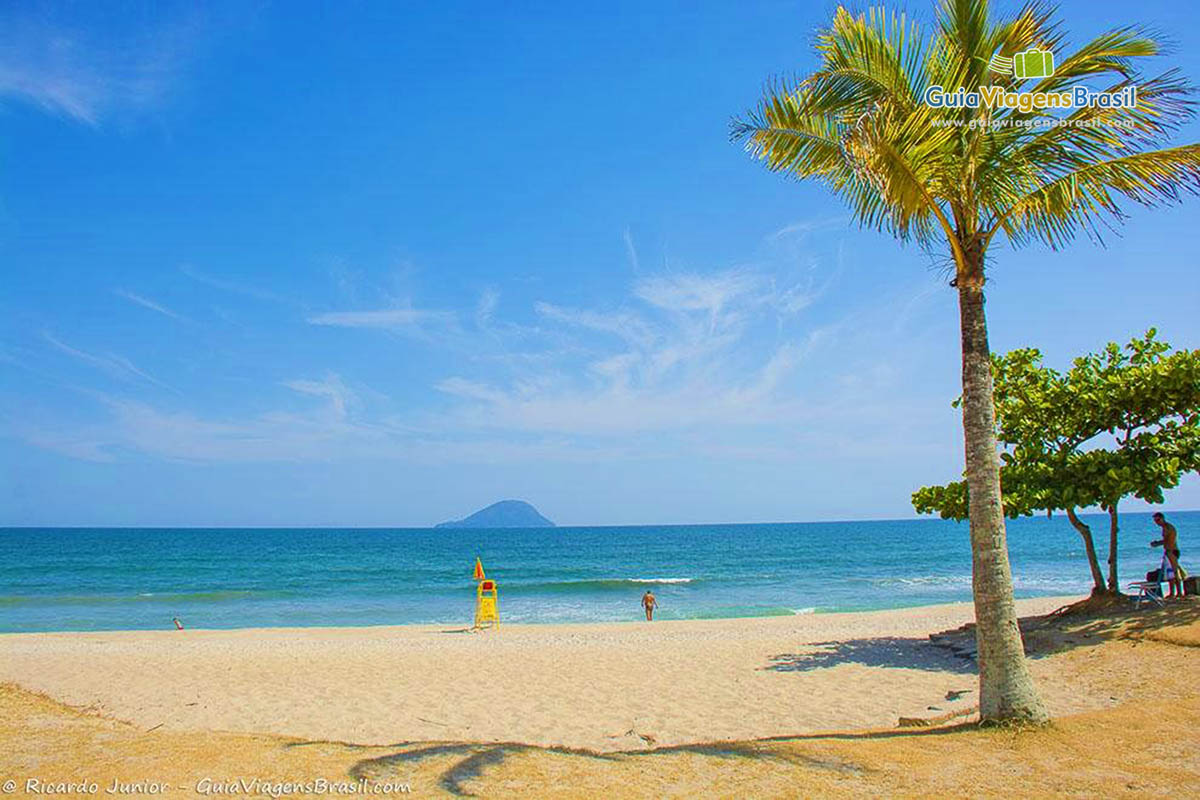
x=383 y=264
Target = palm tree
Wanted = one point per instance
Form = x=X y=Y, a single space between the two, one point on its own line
x=961 y=176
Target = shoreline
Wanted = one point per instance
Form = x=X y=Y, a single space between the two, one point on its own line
x=804 y=612
x=599 y=686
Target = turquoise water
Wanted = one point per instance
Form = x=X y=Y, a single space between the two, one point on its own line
x=104 y=579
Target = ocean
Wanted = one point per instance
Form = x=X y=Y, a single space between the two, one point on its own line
x=111 y=579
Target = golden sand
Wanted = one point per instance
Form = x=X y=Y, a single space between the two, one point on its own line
x=597 y=686
x=1138 y=677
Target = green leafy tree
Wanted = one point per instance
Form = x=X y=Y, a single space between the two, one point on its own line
x=1120 y=423
x=958 y=178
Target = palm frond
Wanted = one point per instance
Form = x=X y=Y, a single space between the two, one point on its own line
x=1020 y=160
x=965 y=27
x=866 y=60
x=1110 y=53
x=1086 y=195
x=781 y=132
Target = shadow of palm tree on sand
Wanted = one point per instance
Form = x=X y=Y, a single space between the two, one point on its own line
x=882 y=651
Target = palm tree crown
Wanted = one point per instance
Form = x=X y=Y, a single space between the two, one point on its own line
x=861 y=125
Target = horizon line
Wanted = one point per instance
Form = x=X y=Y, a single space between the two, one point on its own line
x=920 y=518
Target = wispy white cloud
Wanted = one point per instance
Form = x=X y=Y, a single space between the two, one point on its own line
x=677 y=363
x=471 y=390
x=318 y=434
x=739 y=361
x=671 y=368
x=621 y=403
x=60 y=67
x=631 y=251
x=146 y=302
x=117 y=366
x=331 y=387
x=621 y=324
x=278 y=436
x=801 y=228
x=696 y=292
x=72 y=445
x=485 y=309
x=722 y=299
x=235 y=287
x=387 y=319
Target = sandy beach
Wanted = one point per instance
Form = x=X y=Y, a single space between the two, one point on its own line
x=777 y=707
x=603 y=687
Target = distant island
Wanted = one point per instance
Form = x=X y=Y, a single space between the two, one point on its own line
x=505 y=514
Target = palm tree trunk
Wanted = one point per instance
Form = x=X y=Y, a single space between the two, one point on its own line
x=1090 y=546
x=1006 y=690
x=1113 y=585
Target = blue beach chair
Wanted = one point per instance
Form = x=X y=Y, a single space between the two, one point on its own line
x=1150 y=590
x=1147 y=592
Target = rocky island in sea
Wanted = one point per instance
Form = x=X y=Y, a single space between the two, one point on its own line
x=505 y=514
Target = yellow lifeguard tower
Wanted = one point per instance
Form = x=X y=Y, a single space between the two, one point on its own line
x=487 y=608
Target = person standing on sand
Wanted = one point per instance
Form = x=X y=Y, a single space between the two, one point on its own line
x=649 y=603
x=1170 y=546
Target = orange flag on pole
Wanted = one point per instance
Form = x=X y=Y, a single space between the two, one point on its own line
x=478 y=569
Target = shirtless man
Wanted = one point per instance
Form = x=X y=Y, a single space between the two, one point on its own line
x=649 y=603
x=1170 y=546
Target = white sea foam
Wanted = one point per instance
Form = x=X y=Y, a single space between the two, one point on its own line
x=1054 y=583
x=925 y=580
x=656 y=580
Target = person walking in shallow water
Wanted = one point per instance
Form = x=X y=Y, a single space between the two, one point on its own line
x=649 y=603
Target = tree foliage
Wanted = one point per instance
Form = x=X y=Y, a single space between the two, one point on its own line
x=1124 y=422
